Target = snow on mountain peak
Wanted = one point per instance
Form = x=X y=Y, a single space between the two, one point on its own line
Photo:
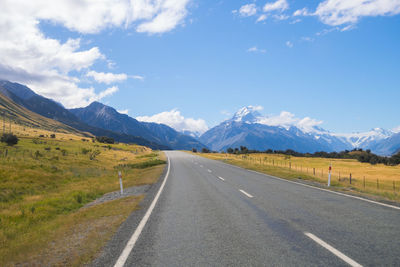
x=247 y=114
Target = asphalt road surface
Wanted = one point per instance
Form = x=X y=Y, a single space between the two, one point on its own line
x=213 y=214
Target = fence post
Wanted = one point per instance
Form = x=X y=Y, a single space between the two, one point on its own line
x=350 y=178
x=290 y=165
x=314 y=171
x=377 y=183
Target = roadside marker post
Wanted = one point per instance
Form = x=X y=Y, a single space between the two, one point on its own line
x=329 y=176
x=120 y=182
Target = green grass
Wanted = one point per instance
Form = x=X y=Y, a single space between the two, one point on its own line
x=43 y=179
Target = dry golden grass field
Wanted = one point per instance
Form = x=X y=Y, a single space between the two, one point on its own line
x=45 y=182
x=377 y=180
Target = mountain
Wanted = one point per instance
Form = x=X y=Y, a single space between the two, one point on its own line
x=48 y=108
x=249 y=128
x=366 y=140
x=388 y=146
x=22 y=116
x=100 y=115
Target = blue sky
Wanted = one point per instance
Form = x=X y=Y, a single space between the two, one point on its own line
x=336 y=62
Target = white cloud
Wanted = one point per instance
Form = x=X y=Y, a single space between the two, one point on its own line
x=289 y=44
x=123 y=111
x=286 y=119
x=262 y=18
x=255 y=49
x=50 y=66
x=307 y=39
x=160 y=15
x=339 y=12
x=107 y=78
x=175 y=120
x=137 y=77
x=109 y=91
x=279 y=5
x=248 y=10
x=281 y=17
x=302 y=12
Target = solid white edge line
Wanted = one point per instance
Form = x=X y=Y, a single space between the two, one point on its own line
x=245 y=193
x=333 y=250
x=314 y=187
x=221 y=178
x=131 y=243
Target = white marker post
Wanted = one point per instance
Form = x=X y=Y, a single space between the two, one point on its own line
x=120 y=182
x=329 y=177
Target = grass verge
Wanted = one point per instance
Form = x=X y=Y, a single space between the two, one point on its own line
x=44 y=183
x=364 y=175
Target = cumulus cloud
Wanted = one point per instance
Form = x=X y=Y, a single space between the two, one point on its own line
x=338 y=12
x=248 y=10
x=279 y=5
x=107 y=78
x=123 y=111
x=286 y=119
x=175 y=120
x=342 y=12
x=289 y=44
x=255 y=49
x=50 y=66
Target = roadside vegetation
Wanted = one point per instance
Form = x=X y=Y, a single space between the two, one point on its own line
x=47 y=178
x=377 y=181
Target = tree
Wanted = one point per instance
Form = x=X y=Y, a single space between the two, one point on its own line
x=194 y=150
x=105 y=139
x=229 y=150
x=205 y=150
x=10 y=139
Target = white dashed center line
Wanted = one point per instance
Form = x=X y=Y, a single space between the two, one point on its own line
x=245 y=193
x=201 y=166
x=221 y=178
x=333 y=250
x=209 y=171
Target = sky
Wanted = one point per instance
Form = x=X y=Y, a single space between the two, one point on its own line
x=193 y=63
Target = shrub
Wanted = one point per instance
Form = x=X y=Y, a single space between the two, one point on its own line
x=10 y=139
x=205 y=150
x=105 y=139
x=52 y=136
x=194 y=150
x=94 y=154
x=85 y=151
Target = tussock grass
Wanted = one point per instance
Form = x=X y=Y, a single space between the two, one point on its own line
x=376 y=180
x=45 y=181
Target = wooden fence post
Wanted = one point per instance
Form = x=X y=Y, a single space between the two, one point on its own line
x=350 y=178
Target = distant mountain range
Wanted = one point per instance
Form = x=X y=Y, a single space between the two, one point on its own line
x=246 y=128
x=100 y=120
x=249 y=128
x=102 y=116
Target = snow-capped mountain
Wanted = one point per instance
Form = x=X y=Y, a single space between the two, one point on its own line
x=251 y=129
x=366 y=139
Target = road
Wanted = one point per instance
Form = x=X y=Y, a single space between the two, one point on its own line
x=212 y=214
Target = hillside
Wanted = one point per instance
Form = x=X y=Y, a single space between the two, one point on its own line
x=48 y=108
x=102 y=116
x=9 y=110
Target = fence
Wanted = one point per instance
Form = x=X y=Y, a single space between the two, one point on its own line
x=342 y=177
